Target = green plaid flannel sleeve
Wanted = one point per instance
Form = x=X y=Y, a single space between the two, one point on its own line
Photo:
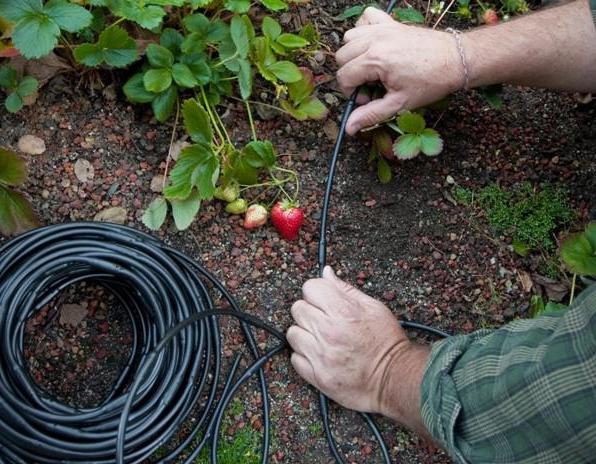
x=525 y=393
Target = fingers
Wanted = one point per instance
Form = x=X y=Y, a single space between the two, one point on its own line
x=355 y=73
x=374 y=16
x=351 y=50
x=329 y=275
x=307 y=316
x=360 y=33
x=304 y=368
x=374 y=112
x=323 y=295
x=300 y=340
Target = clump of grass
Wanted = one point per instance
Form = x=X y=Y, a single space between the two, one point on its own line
x=527 y=214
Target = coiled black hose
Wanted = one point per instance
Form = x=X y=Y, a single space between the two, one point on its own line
x=175 y=365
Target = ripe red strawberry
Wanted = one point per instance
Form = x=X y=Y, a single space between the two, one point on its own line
x=287 y=219
x=256 y=216
x=490 y=17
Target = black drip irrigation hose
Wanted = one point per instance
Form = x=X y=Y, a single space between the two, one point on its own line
x=174 y=370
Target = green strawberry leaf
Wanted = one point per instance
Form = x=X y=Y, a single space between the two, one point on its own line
x=164 y=104
x=352 y=12
x=431 y=143
x=114 y=47
x=185 y=211
x=158 y=80
x=14 y=103
x=411 y=123
x=69 y=17
x=237 y=6
x=197 y=167
x=8 y=77
x=245 y=173
x=16 y=213
x=590 y=234
x=407 y=146
x=271 y=28
x=135 y=90
x=155 y=214
x=239 y=33
x=292 y=41
x=303 y=88
x=146 y=16
x=13 y=170
x=245 y=79
x=198 y=23
x=294 y=111
x=579 y=254
x=196 y=122
x=259 y=154
x=274 y=5
x=313 y=108
x=383 y=171
x=172 y=40
x=159 y=57
x=492 y=94
x=184 y=76
x=37 y=27
x=408 y=15
x=35 y=36
x=197 y=63
x=285 y=71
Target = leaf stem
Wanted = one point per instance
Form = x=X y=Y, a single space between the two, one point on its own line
x=250 y=120
x=572 y=289
x=169 y=157
x=211 y=117
x=115 y=23
x=225 y=60
x=267 y=105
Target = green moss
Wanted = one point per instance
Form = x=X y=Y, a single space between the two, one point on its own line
x=243 y=447
x=527 y=214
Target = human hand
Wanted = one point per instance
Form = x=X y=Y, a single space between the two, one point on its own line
x=351 y=347
x=416 y=65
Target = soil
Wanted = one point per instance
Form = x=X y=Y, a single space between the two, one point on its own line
x=407 y=243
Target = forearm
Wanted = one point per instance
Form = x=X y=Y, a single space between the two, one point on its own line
x=554 y=48
x=401 y=386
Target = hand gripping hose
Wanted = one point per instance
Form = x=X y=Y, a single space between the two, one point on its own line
x=175 y=367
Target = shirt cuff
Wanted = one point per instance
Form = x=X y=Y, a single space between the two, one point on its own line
x=440 y=402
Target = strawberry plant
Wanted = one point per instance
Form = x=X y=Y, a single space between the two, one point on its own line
x=16 y=213
x=182 y=57
x=413 y=138
x=17 y=89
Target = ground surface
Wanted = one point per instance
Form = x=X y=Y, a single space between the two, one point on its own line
x=406 y=243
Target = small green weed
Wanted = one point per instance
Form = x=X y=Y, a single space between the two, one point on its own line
x=529 y=215
x=243 y=447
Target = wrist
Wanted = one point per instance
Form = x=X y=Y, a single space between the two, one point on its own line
x=399 y=394
x=457 y=68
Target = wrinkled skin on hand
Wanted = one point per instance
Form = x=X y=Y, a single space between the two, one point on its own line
x=344 y=342
x=416 y=65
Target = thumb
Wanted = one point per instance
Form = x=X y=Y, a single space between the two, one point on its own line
x=329 y=274
x=374 y=112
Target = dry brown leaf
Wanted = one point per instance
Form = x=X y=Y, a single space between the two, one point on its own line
x=554 y=289
x=331 y=130
x=117 y=215
x=526 y=281
x=43 y=69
